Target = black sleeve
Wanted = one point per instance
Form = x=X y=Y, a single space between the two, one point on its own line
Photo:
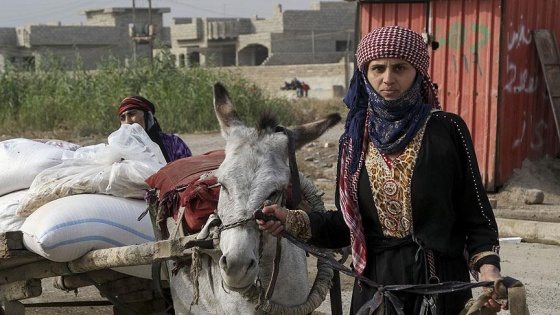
x=452 y=212
x=328 y=229
x=475 y=209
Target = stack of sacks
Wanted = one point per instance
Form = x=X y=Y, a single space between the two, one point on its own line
x=92 y=200
x=21 y=160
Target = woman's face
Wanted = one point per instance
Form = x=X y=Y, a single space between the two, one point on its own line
x=133 y=116
x=390 y=77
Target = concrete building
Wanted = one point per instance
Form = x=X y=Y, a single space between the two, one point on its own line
x=322 y=34
x=119 y=33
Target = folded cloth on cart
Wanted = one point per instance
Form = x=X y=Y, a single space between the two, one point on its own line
x=22 y=159
x=65 y=229
x=118 y=168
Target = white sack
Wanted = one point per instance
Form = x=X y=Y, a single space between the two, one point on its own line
x=9 y=220
x=67 y=228
x=22 y=159
x=60 y=144
x=118 y=168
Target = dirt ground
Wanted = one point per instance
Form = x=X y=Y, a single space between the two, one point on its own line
x=532 y=263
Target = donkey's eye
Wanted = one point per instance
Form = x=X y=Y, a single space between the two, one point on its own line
x=224 y=188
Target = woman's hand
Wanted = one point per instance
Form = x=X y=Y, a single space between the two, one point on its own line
x=492 y=273
x=272 y=226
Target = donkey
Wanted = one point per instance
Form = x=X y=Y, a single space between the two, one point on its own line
x=255 y=169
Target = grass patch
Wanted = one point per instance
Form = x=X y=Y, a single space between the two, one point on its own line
x=54 y=101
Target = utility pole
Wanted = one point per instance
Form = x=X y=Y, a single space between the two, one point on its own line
x=150 y=30
x=133 y=30
x=145 y=35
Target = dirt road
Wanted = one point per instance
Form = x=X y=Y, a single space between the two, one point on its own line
x=536 y=265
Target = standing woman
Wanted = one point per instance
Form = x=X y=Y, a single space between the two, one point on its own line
x=136 y=109
x=409 y=192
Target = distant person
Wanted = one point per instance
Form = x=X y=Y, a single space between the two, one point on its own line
x=305 y=88
x=296 y=84
x=136 y=109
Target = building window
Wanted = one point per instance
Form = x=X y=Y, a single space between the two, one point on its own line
x=181 y=60
x=194 y=58
x=342 y=45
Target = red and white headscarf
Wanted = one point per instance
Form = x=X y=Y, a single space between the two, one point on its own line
x=402 y=43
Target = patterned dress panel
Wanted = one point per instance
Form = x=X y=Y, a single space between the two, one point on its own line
x=390 y=181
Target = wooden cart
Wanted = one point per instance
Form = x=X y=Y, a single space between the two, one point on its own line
x=21 y=272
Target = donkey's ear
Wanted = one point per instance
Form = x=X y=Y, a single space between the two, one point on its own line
x=225 y=109
x=311 y=131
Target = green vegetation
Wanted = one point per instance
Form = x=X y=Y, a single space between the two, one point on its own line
x=80 y=103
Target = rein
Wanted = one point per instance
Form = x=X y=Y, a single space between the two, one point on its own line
x=294 y=172
x=387 y=290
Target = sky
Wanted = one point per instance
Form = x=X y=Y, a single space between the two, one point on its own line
x=14 y=13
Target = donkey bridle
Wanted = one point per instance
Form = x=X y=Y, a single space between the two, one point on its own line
x=257 y=214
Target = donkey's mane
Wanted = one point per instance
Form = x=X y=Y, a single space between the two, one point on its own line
x=267 y=123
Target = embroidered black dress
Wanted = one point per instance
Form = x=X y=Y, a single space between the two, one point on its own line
x=450 y=215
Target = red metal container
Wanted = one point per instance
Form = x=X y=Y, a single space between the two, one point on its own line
x=487 y=70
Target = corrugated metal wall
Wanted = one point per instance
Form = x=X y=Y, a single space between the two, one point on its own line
x=466 y=69
x=477 y=78
x=526 y=125
x=411 y=15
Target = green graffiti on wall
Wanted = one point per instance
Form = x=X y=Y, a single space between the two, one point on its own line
x=459 y=33
x=459 y=38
